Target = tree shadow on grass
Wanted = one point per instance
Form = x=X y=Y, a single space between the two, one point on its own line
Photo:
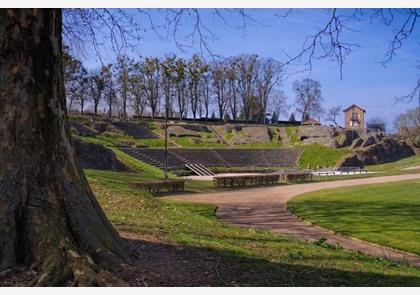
x=159 y=263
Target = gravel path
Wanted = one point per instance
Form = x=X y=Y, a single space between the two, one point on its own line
x=266 y=208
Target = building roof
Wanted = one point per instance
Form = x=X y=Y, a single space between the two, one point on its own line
x=354 y=106
x=311 y=121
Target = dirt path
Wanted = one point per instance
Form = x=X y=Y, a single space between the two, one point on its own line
x=266 y=208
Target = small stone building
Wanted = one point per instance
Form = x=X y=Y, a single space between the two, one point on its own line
x=354 y=117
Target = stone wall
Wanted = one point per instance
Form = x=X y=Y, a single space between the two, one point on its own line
x=330 y=136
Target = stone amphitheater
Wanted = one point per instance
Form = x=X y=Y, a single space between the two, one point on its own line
x=178 y=158
x=365 y=148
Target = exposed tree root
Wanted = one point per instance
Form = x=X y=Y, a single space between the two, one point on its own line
x=75 y=270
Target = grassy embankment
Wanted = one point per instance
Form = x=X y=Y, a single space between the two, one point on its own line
x=277 y=260
x=315 y=155
x=413 y=161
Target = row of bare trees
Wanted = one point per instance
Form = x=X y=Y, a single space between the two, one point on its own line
x=244 y=87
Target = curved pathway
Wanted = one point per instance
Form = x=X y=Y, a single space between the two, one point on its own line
x=266 y=208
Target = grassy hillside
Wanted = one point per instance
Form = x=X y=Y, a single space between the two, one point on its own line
x=273 y=259
x=112 y=139
x=387 y=214
x=292 y=133
x=413 y=161
x=319 y=155
x=314 y=154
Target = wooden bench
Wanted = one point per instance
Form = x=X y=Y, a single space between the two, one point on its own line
x=160 y=186
x=240 y=181
x=297 y=177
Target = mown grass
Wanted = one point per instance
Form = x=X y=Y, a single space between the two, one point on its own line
x=112 y=139
x=276 y=260
x=387 y=214
x=292 y=133
x=315 y=155
x=397 y=165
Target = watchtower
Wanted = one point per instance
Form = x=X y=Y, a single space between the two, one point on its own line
x=354 y=117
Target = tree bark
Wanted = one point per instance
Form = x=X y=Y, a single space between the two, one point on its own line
x=49 y=217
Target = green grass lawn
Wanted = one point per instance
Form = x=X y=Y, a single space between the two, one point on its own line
x=403 y=163
x=275 y=260
x=292 y=133
x=111 y=139
x=319 y=155
x=387 y=214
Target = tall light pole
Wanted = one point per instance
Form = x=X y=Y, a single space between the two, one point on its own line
x=165 y=172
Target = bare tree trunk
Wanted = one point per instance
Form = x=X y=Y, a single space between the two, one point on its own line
x=49 y=217
x=124 y=96
x=96 y=107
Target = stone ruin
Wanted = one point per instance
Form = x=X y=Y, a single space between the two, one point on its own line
x=247 y=134
x=377 y=152
x=334 y=137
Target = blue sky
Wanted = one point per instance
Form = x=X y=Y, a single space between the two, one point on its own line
x=365 y=80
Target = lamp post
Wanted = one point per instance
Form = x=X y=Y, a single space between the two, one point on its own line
x=165 y=172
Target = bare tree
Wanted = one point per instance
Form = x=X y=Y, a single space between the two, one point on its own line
x=110 y=95
x=278 y=103
x=136 y=90
x=96 y=84
x=196 y=70
x=219 y=86
x=151 y=78
x=83 y=91
x=333 y=113
x=408 y=124
x=73 y=73
x=123 y=70
x=267 y=78
x=308 y=97
x=329 y=41
x=205 y=93
x=168 y=73
x=180 y=81
x=231 y=70
x=247 y=69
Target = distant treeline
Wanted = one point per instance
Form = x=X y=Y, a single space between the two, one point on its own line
x=241 y=88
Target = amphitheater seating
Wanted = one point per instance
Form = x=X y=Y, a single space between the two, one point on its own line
x=178 y=158
x=206 y=157
x=136 y=130
x=155 y=157
x=260 y=157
